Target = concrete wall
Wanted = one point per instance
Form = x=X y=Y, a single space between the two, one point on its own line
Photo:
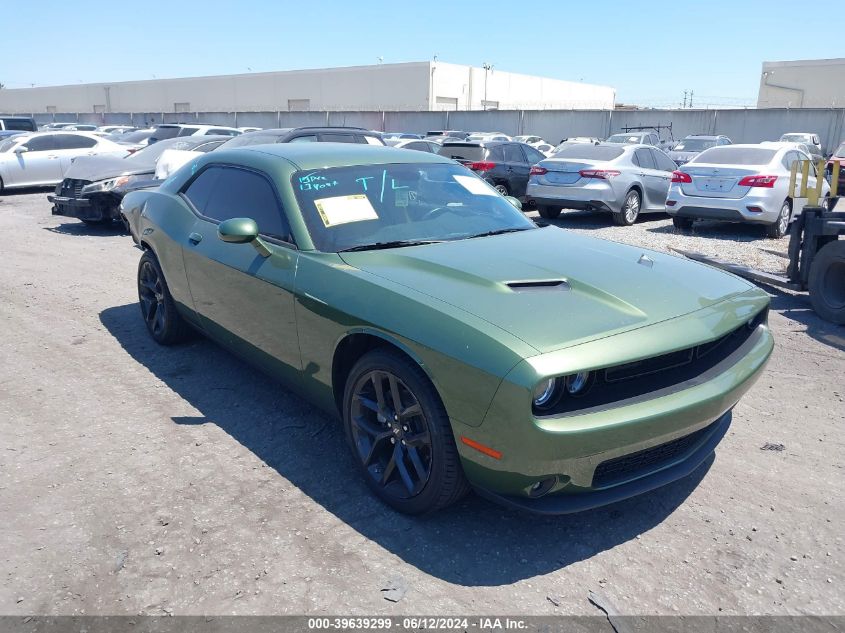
x=742 y=126
x=812 y=83
x=397 y=87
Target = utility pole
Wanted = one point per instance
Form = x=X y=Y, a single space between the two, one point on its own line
x=685 y=99
x=487 y=67
x=690 y=98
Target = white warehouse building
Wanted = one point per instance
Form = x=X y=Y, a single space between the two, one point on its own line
x=414 y=86
x=807 y=83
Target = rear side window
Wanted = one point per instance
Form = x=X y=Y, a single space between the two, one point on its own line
x=221 y=132
x=534 y=156
x=729 y=155
x=73 y=141
x=304 y=139
x=664 y=163
x=252 y=139
x=185 y=131
x=643 y=158
x=372 y=140
x=42 y=143
x=222 y=193
x=513 y=154
x=165 y=132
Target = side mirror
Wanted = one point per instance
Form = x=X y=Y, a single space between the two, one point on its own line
x=515 y=202
x=20 y=149
x=242 y=231
x=238 y=230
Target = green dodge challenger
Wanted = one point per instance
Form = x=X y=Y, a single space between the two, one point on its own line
x=462 y=346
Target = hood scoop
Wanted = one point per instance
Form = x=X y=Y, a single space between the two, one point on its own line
x=544 y=285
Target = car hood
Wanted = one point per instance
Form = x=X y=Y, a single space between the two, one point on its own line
x=95 y=168
x=508 y=280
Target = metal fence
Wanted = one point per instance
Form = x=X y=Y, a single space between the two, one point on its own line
x=741 y=126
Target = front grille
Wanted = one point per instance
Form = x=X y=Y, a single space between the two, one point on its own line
x=72 y=187
x=614 y=384
x=626 y=467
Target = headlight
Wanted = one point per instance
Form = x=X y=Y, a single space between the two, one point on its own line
x=546 y=393
x=107 y=185
x=578 y=384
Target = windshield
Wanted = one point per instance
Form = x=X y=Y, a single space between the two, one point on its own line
x=735 y=156
x=694 y=145
x=623 y=138
x=135 y=137
x=10 y=142
x=348 y=207
x=151 y=153
x=796 y=138
x=840 y=151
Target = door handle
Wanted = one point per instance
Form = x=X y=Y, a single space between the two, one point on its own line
x=195 y=238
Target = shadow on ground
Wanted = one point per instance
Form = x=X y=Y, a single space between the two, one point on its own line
x=77 y=227
x=591 y=220
x=797 y=307
x=734 y=231
x=474 y=543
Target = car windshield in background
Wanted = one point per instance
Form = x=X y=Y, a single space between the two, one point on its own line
x=735 y=156
x=839 y=153
x=251 y=139
x=135 y=137
x=9 y=143
x=694 y=145
x=374 y=206
x=623 y=138
x=795 y=138
x=592 y=152
x=151 y=153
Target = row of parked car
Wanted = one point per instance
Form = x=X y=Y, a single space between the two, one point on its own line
x=624 y=175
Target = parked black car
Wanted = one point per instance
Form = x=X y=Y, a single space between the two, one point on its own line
x=305 y=135
x=18 y=123
x=504 y=164
x=95 y=185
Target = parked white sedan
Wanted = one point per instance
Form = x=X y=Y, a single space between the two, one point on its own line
x=740 y=183
x=41 y=158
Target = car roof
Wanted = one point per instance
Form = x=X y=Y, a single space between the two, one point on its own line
x=322 y=155
x=707 y=137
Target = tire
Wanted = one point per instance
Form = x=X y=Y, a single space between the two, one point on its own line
x=164 y=323
x=414 y=478
x=630 y=209
x=683 y=224
x=502 y=189
x=779 y=227
x=548 y=212
x=827 y=282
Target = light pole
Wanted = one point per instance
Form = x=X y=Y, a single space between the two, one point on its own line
x=487 y=67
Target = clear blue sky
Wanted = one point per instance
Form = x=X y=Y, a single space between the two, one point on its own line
x=650 y=51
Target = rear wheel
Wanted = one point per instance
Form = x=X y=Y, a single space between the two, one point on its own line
x=400 y=435
x=683 y=224
x=827 y=282
x=548 y=212
x=630 y=209
x=779 y=227
x=502 y=189
x=158 y=309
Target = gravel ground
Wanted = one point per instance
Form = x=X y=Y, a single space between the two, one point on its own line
x=136 y=479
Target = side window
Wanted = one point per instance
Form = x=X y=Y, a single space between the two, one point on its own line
x=495 y=153
x=417 y=146
x=664 y=163
x=788 y=159
x=73 y=141
x=534 y=156
x=644 y=159
x=513 y=154
x=220 y=132
x=199 y=191
x=239 y=193
x=187 y=131
x=304 y=139
x=337 y=138
x=372 y=140
x=41 y=143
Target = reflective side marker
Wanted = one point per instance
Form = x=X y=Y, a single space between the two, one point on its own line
x=490 y=452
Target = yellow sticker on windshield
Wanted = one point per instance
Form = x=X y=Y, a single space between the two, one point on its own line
x=345 y=209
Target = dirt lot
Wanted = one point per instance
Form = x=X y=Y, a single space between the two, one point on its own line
x=141 y=480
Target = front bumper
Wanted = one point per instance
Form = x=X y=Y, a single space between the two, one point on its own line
x=96 y=208
x=575 y=449
x=598 y=196
x=727 y=209
x=685 y=464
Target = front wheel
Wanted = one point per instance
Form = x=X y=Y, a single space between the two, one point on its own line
x=630 y=209
x=778 y=228
x=158 y=309
x=683 y=224
x=827 y=282
x=400 y=435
